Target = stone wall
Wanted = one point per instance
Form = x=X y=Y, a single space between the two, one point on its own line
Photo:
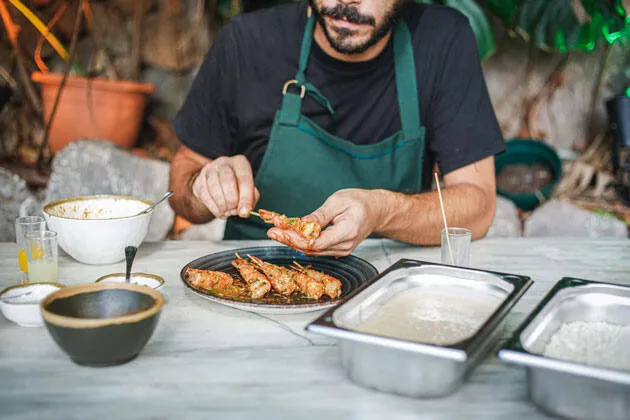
x=565 y=118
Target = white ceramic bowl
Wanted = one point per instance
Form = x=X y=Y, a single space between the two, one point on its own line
x=22 y=308
x=96 y=229
x=150 y=280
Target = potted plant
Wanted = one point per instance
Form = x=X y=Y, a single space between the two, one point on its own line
x=79 y=105
x=94 y=108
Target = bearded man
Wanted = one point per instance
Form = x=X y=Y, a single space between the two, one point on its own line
x=340 y=110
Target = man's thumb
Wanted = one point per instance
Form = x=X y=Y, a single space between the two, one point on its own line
x=323 y=215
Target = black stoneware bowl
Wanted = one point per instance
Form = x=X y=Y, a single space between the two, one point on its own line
x=102 y=324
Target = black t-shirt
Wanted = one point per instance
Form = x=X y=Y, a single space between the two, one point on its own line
x=232 y=103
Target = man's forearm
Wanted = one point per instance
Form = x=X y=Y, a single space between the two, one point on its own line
x=417 y=218
x=184 y=169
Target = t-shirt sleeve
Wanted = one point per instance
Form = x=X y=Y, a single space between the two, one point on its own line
x=462 y=126
x=205 y=123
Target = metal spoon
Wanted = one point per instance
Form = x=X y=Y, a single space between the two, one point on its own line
x=152 y=206
x=130 y=254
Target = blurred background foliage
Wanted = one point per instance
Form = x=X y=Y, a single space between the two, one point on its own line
x=554 y=26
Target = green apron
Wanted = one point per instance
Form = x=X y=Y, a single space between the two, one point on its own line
x=303 y=164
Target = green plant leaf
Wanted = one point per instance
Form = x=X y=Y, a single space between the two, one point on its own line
x=76 y=69
x=560 y=25
x=610 y=214
x=504 y=9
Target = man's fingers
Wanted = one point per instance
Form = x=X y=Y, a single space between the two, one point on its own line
x=229 y=185
x=340 y=232
x=335 y=238
x=341 y=250
x=226 y=187
x=245 y=180
x=326 y=213
x=256 y=197
x=288 y=237
x=291 y=239
x=215 y=190
x=200 y=190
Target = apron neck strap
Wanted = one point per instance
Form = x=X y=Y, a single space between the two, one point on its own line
x=292 y=103
x=305 y=51
x=405 y=72
x=406 y=84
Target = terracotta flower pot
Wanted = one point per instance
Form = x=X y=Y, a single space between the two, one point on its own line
x=93 y=108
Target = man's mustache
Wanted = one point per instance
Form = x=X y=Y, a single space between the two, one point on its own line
x=349 y=13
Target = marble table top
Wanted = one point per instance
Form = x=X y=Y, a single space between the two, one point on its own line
x=206 y=360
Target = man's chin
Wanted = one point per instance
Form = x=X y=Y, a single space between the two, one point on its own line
x=348 y=43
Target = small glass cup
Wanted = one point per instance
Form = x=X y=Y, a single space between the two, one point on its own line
x=458 y=253
x=41 y=249
x=24 y=225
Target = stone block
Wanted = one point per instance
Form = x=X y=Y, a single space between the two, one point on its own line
x=88 y=167
x=212 y=231
x=507 y=222
x=560 y=219
x=15 y=200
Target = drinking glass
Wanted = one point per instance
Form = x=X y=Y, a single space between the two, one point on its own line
x=24 y=225
x=41 y=248
x=458 y=253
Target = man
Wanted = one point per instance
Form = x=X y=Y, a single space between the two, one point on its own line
x=339 y=110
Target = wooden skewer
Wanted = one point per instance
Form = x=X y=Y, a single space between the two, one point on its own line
x=448 y=239
x=255 y=213
x=301 y=267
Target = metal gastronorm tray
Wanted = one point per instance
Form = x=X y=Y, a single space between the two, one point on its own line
x=407 y=367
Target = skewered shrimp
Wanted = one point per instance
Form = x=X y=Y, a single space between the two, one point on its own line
x=308 y=230
x=332 y=286
x=280 y=280
x=256 y=281
x=312 y=288
x=216 y=281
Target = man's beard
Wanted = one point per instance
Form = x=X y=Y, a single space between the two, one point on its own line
x=352 y=15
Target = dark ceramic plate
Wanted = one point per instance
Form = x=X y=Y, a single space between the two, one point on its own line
x=352 y=271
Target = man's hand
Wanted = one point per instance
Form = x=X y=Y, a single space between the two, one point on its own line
x=354 y=214
x=226 y=187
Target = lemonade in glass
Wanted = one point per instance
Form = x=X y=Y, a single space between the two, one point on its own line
x=41 y=247
x=23 y=226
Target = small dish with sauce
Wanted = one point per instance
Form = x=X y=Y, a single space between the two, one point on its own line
x=20 y=303
x=150 y=280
